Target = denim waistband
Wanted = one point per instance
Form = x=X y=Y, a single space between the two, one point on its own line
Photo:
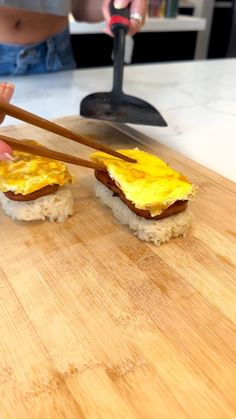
x=54 y=42
x=53 y=54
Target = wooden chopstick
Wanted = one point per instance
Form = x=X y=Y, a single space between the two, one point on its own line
x=46 y=152
x=33 y=119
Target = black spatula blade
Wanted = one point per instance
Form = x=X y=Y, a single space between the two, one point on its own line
x=122 y=108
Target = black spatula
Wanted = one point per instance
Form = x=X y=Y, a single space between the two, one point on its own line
x=115 y=106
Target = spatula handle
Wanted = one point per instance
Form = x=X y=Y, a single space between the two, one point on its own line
x=119 y=25
x=119 y=18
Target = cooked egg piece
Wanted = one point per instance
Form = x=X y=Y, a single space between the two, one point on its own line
x=29 y=173
x=150 y=183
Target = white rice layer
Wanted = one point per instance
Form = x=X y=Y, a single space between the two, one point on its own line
x=56 y=207
x=156 y=231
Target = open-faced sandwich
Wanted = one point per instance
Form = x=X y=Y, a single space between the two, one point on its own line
x=148 y=196
x=33 y=188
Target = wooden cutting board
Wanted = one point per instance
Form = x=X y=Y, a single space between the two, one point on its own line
x=97 y=324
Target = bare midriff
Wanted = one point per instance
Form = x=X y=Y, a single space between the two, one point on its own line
x=21 y=27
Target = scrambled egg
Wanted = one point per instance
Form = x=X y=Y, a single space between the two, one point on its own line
x=150 y=183
x=28 y=173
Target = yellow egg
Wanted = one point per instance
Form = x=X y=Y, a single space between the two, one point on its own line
x=150 y=183
x=29 y=173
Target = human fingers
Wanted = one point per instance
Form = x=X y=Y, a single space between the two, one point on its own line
x=106 y=14
x=138 y=10
x=5 y=151
x=6 y=92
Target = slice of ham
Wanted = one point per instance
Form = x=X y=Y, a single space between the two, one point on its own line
x=47 y=190
x=175 y=208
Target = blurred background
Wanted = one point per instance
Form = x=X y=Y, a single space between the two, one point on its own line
x=175 y=30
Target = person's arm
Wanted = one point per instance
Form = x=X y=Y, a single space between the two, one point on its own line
x=87 y=10
x=6 y=92
x=97 y=10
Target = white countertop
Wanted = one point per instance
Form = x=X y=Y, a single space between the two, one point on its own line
x=181 y=23
x=197 y=99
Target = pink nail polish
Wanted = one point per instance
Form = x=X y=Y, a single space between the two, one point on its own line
x=10 y=86
x=8 y=156
x=118 y=4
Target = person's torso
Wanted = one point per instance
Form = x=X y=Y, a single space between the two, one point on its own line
x=21 y=26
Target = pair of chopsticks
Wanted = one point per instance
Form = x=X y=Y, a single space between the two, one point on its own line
x=39 y=150
x=33 y=119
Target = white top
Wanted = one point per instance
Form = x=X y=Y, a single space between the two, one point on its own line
x=57 y=7
x=197 y=99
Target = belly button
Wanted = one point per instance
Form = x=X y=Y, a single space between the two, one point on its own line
x=18 y=24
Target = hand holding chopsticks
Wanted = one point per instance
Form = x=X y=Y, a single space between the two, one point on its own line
x=33 y=119
x=46 y=152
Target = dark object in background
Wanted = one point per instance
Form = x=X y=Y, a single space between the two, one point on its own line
x=231 y=52
x=186 y=11
x=163 y=47
x=96 y=50
x=171 y=8
x=221 y=29
x=115 y=106
x=92 y=50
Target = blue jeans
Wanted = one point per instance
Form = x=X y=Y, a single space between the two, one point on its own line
x=54 y=54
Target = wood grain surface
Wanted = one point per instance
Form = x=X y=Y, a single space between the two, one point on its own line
x=97 y=324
